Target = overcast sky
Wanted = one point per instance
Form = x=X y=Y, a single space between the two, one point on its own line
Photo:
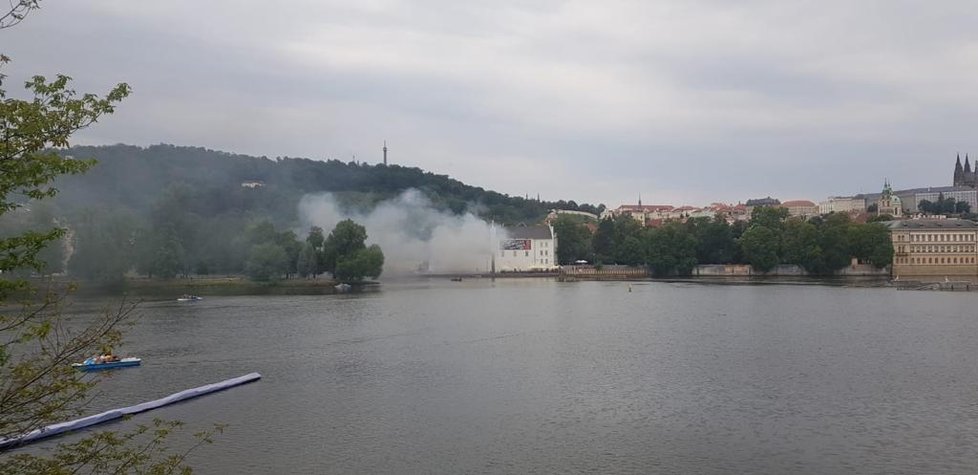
x=685 y=102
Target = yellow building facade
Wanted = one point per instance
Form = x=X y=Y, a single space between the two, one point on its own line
x=934 y=247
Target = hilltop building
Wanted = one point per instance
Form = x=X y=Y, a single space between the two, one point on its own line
x=801 y=208
x=641 y=213
x=965 y=176
x=760 y=203
x=889 y=203
x=934 y=247
x=841 y=204
x=730 y=212
x=526 y=249
x=552 y=216
x=958 y=193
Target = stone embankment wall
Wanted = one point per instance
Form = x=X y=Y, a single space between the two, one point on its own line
x=611 y=272
x=740 y=270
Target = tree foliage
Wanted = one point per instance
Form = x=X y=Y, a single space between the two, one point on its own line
x=761 y=247
x=573 y=239
x=346 y=239
x=361 y=263
x=944 y=206
x=266 y=261
x=346 y=255
x=671 y=250
x=37 y=342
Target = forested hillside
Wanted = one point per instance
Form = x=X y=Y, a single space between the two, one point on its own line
x=137 y=177
x=166 y=210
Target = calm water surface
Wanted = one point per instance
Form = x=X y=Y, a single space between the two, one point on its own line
x=536 y=376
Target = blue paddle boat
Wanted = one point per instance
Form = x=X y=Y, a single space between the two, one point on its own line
x=100 y=362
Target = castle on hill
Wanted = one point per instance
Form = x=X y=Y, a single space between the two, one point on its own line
x=965 y=177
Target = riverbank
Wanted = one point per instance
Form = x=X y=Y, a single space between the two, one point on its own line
x=207 y=286
x=837 y=281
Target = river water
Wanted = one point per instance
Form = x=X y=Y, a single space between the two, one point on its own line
x=537 y=376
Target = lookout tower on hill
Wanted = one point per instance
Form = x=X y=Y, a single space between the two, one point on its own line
x=385 y=153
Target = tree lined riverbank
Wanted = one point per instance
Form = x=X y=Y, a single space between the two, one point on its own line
x=213 y=286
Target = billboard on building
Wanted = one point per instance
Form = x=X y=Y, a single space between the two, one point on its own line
x=515 y=244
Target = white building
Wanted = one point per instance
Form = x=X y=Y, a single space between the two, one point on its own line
x=842 y=204
x=527 y=248
x=959 y=194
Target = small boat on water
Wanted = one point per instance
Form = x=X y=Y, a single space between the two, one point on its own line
x=188 y=298
x=99 y=362
x=342 y=287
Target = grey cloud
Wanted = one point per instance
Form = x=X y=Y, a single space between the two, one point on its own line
x=683 y=101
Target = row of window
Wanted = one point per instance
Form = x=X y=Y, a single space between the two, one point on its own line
x=937 y=248
x=934 y=260
x=939 y=237
x=525 y=253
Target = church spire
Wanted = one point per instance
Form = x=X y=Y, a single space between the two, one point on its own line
x=640 y=199
x=967 y=165
x=958 y=173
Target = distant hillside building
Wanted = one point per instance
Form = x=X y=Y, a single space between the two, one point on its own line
x=527 y=248
x=842 y=204
x=801 y=208
x=641 y=213
x=968 y=195
x=730 y=212
x=935 y=247
x=965 y=176
x=761 y=203
x=554 y=213
x=889 y=203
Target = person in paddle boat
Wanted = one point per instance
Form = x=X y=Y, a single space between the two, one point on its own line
x=106 y=356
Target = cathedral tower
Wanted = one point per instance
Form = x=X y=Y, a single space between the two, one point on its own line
x=965 y=176
x=958 y=173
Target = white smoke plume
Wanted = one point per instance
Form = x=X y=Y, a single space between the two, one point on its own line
x=415 y=237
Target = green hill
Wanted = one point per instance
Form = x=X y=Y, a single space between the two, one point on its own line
x=164 y=210
x=136 y=177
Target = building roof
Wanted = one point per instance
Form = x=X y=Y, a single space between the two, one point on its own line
x=950 y=223
x=944 y=189
x=763 y=202
x=798 y=203
x=529 y=232
x=871 y=197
